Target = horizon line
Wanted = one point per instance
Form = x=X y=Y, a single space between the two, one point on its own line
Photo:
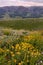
x=19 y=6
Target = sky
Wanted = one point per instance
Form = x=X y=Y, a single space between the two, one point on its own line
x=21 y=3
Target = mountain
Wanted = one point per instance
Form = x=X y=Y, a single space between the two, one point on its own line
x=20 y=11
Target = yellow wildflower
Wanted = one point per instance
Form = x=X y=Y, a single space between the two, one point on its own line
x=11 y=52
x=12 y=47
x=18 y=53
x=1 y=50
x=7 y=50
x=15 y=60
x=20 y=64
x=13 y=55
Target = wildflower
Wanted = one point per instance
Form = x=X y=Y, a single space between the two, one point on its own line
x=1 y=50
x=11 y=52
x=17 y=47
x=15 y=60
x=13 y=55
x=19 y=63
x=7 y=50
x=18 y=53
x=12 y=47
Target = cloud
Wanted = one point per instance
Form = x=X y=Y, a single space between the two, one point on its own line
x=33 y=0
x=20 y=3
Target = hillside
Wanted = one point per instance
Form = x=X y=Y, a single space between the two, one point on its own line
x=20 y=11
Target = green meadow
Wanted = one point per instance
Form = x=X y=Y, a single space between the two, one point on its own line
x=27 y=24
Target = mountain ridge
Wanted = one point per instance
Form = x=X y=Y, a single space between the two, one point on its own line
x=21 y=11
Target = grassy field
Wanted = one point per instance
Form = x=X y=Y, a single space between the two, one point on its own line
x=28 y=24
x=21 y=42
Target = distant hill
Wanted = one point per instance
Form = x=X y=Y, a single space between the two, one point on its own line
x=24 y=12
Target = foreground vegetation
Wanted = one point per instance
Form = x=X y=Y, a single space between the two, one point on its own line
x=27 y=24
x=25 y=49
x=23 y=46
